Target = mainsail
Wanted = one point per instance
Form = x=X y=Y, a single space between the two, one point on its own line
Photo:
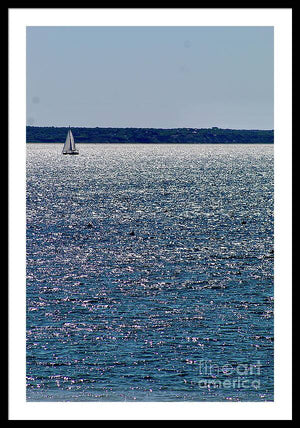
x=69 y=147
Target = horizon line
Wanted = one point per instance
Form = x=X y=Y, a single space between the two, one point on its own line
x=148 y=127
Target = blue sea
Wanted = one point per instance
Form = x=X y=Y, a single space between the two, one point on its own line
x=150 y=273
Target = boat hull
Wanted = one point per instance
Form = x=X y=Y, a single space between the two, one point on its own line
x=70 y=153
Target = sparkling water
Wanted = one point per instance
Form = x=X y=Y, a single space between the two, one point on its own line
x=150 y=273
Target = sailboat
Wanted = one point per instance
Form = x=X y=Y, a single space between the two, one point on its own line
x=69 y=147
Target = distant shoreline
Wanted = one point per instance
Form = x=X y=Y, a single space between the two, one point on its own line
x=212 y=135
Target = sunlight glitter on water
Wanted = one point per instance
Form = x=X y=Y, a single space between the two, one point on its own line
x=143 y=261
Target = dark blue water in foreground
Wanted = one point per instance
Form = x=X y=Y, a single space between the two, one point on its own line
x=150 y=273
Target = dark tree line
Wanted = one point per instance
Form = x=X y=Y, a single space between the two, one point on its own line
x=215 y=135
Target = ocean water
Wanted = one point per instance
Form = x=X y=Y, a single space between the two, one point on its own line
x=150 y=273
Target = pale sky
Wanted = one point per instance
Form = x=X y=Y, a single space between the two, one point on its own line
x=157 y=77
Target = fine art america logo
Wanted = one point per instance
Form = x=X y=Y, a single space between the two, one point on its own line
x=227 y=376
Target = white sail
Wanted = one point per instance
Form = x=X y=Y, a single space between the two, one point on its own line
x=69 y=146
x=72 y=143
